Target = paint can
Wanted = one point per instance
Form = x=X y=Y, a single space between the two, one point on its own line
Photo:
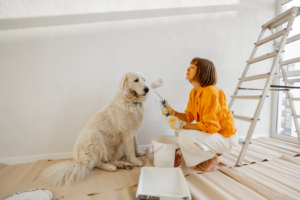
x=166 y=151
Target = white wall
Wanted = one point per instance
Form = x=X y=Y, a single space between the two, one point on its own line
x=61 y=61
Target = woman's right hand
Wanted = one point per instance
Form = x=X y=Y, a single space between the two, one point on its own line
x=167 y=109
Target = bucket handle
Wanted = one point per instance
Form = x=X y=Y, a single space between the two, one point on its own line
x=157 y=149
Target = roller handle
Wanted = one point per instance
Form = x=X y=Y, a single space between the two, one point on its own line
x=163 y=102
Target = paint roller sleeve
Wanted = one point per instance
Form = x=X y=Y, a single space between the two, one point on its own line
x=166 y=109
x=157 y=83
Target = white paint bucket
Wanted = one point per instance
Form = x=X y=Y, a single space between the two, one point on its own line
x=166 y=151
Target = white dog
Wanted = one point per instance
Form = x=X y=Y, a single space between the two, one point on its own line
x=106 y=135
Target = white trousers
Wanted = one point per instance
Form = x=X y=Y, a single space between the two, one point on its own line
x=197 y=146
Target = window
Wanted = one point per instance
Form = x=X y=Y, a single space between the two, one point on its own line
x=283 y=125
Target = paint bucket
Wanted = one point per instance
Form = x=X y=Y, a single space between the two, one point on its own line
x=166 y=151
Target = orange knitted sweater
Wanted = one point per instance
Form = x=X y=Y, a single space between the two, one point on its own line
x=208 y=108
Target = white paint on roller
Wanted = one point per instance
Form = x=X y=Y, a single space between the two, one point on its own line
x=157 y=83
x=166 y=183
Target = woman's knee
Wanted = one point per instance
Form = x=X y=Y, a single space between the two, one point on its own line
x=183 y=133
x=181 y=136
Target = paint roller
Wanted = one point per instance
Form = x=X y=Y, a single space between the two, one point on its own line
x=157 y=84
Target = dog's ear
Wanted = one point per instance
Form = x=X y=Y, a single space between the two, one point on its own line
x=123 y=82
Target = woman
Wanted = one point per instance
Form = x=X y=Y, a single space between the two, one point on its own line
x=214 y=133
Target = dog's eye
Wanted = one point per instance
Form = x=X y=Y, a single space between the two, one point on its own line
x=136 y=80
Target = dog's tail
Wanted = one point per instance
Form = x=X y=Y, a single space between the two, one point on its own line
x=63 y=173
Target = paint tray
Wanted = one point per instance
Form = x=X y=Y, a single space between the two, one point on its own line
x=162 y=184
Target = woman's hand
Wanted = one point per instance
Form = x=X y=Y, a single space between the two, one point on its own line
x=175 y=123
x=167 y=109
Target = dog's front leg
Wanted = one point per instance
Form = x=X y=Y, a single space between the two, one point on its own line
x=128 y=140
x=136 y=148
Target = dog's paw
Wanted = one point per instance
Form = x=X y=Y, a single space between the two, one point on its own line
x=138 y=163
x=128 y=165
x=140 y=153
x=110 y=168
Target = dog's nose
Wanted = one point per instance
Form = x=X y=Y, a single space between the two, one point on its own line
x=146 y=89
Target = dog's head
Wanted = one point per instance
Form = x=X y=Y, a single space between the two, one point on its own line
x=134 y=87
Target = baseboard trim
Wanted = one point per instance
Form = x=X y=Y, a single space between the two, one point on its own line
x=144 y=147
x=243 y=137
x=28 y=159
x=54 y=156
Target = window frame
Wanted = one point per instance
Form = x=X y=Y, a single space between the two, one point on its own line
x=274 y=110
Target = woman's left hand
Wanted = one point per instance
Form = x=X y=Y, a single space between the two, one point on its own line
x=175 y=123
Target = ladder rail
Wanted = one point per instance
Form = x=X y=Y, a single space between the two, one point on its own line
x=266 y=89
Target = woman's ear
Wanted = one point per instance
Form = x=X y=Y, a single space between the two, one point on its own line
x=123 y=82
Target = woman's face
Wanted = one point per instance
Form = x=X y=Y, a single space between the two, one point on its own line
x=191 y=72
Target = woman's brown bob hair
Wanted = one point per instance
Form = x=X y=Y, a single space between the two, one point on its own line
x=206 y=72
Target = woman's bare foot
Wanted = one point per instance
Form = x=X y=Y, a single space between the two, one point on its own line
x=208 y=164
x=201 y=166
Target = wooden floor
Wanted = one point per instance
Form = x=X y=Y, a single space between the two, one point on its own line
x=271 y=171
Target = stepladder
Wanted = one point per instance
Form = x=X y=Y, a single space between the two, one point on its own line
x=280 y=38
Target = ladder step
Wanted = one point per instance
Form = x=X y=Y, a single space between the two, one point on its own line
x=296 y=80
x=264 y=57
x=256 y=77
x=248 y=97
x=280 y=19
x=271 y=37
x=247 y=119
x=289 y=40
x=297 y=116
x=294 y=99
x=291 y=61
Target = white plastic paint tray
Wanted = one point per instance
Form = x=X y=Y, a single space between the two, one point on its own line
x=162 y=184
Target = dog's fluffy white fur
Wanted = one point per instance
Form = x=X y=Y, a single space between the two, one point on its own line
x=107 y=136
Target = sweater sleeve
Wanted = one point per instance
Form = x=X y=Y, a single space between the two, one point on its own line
x=209 y=122
x=188 y=112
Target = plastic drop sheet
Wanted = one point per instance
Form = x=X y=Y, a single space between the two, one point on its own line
x=276 y=179
x=16 y=178
x=261 y=149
